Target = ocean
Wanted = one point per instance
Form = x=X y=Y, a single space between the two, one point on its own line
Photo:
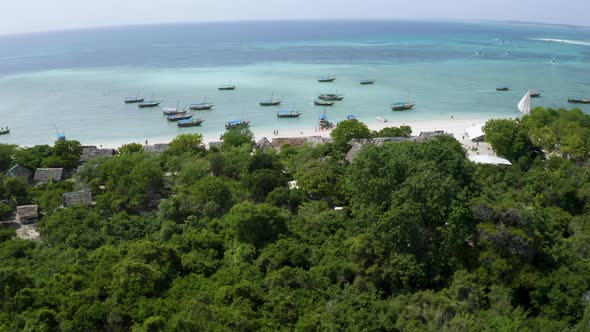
x=76 y=81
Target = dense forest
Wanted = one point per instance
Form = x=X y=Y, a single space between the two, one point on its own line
x=409 y=236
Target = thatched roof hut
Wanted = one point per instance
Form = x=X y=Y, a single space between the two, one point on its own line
x=428 y=135
x=19 y=171
x=91 y=151
x=27 y=214
x=278 y=142
x=359 y=144
x=83 y=197
x=46 y=174
x=263 y=144
x=156 y=148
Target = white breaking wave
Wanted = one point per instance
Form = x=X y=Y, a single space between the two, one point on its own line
x=565 y=41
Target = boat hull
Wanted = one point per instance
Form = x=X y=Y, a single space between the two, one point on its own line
x=327 y=80
x=404 y=107
x=289 y=115
x=201 y=108
x=178 y=118
x=134 y=101
x=243 y=124
x=226 y=88
x=147 y=105
x=367 y=82
x=330 y=97
x=502 y=89
x=5 y=132
x=323 y=103
x=272 y=103
x=193 y=123
x=579 y=101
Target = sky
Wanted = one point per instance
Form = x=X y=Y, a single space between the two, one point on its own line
x=18 y=16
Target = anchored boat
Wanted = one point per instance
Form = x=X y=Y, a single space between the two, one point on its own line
x=323 y=103
x=402 y=106
x=227 y=87
x=190 y=122
x=502 y=88
x=178 y=117
x=201 y=106
x=149 y=103
x=288 y=114
x=330 y=97
x=367 y=82
x=235 y=124
x=327 y=79
x=578 y=100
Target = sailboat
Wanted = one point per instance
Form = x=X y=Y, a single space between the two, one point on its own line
x=524 y=106
x=270 y=102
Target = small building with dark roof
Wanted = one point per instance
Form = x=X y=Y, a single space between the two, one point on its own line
x=46 y=174
x=91 y=152
x=83 y=197
x=18 y=171
x=27 y=214
x=156 y=148
x=264 y=144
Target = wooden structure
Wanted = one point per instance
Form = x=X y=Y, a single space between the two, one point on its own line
x=27 y=214
x=46 y=174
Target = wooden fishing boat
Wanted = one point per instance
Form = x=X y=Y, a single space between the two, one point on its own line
x=172 y=111
x=502 y=88
x=288 y=114
x=270 y=102
x=324 y=124
x=149 y=103
x=5 y=131
x=178 y=117
x=134 y=100
x=330 y=97
x=326 y=79
x=577 y=100
x=190 y=122
x=402 y=106
x=227 y=87
x=323 y=103
x=235 y=124
x=535 y=93
x=201 y=106
x=367 y=82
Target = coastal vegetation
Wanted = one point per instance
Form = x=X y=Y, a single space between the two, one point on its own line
x=408 y=236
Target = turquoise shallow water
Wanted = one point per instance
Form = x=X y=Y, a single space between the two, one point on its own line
x=76 y=81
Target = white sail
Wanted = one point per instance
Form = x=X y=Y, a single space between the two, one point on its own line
x=524 y=106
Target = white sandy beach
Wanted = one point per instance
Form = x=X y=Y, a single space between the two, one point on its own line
x=456 y=127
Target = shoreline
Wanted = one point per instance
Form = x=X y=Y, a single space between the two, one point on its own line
x=456 y=127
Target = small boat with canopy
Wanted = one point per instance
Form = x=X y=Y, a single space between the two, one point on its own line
x=288 y=114
x=402 y=106
x=237 y=124
x=190 y=122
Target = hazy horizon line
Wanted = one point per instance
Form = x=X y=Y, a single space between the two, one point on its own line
x=448 y=20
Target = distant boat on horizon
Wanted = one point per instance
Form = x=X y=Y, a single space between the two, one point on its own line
x=404 y=106
x=326 y=79
x=227 y=87
x=502 y=88
x=367 y=82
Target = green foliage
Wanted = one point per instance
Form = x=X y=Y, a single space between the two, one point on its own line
x=130 y=148
x=32 y=157
x=186 y=144
x=347 y=130
x=508 y=138
x=64 y=154
x=407 y=237
x=6 y=155
x=402 y=131
x=238 y=138
x=5 y=211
